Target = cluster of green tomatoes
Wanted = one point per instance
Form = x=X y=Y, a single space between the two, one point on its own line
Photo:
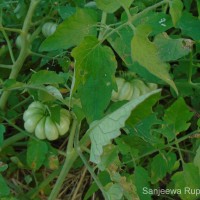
x=130 y=90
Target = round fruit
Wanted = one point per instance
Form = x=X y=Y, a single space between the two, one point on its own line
x=49 y=28
x=37 y=120
x=19 y=41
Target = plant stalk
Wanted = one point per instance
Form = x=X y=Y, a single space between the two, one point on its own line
x=71 y=156
x=23 y=52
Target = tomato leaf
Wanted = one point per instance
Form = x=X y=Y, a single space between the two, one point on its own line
x=94 y=76
x=103 y=131
x=120 y=42
x=108 y=6
x=72 y=31
x=177 y=122
x=2 y=131
x=36 y=153
x=146 y=54
x=144 y=129
x=49 y=93
x=104 y=177
x=10 y=84
x=4 y=191
x=66 y=11
x=109 y=157
x=158 y=21
x=143 y=110
x=189 y=25
x=125 y=185
x=114 y=191
x=197 y=159
x=172 y=49
x=142 y=179
x=187 y=179
x=125 y=3
x=46 y=77
x=176 y=7
x=161 y=164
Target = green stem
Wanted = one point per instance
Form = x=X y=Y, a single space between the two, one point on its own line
x=96 y=179
x=71 y=156
x=135 y=17
x=21 y=103
x=84 y=142
x=23 y=52
x=35 y=88
x=12 y=140
x=32 y=194
x=6 y=66
x=10 y=29
x=103 y=21
x=71 y=137
x=190 y=69
x=167 y=145
x=19 y=129
x=41 y=55
x=179 y=151
x=9 y=45
x=140 y=14
x=6 y=38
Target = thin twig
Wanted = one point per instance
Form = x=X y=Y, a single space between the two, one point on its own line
x=6 y=66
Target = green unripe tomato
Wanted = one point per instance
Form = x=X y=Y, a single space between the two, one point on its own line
x=37 y=120
x=64 y=124
x=51 y=131
x=91 y=4
x=40 y=129
x=141 y=86
x=136 y=92
x=152 y=86
x=124 y=91
x=32 y=121
x=36 y=104
x=130 y=90
x=120 y=82
x=144 y=88
x=19 y=41
x=31 y=111
x=49 y=28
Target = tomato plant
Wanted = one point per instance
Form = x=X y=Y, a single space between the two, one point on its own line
x=99 y=99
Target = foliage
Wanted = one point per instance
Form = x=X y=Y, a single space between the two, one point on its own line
x=127 y=72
